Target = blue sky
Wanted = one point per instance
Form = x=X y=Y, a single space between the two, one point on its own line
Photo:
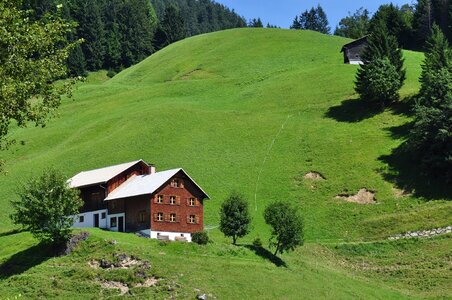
x=282 y=12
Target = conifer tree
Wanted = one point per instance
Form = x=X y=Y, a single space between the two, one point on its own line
x=382 y=73
x=430 y=139
x=296 y=23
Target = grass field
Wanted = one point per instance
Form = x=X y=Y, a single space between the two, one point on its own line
x=251 y=110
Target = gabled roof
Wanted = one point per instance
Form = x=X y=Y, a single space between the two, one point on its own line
x=146 y=184
x=355 y=42
x=101 y=175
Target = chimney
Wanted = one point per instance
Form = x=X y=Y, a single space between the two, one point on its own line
x=152 y=169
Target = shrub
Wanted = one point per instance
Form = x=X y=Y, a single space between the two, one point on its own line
x=45 y=207
x=257 y=242
x=200 y=238
x=111 y=73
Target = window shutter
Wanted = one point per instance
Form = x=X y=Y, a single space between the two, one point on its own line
x=155 y=217
x=155 y=199
x=177 y=200
x=177 y=219
x=197 y=219
x=188 y=219
x=166 y=217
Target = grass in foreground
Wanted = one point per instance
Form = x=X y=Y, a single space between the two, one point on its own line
x=184 y=270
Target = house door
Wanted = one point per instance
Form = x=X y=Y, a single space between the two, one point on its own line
x=96 y=220
x=121 y=224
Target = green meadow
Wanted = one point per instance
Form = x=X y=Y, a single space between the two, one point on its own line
x=250 y=110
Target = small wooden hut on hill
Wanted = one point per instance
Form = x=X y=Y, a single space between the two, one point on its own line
x=352 y=51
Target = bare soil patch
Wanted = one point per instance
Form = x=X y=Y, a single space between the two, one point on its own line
x=120 y=261
x=314 y=176
x=152 y=281
x=122 y=287
x=364 y=196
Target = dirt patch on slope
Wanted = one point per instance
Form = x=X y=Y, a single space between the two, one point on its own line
x=364 y=196
x=152 y=281
x=122 y=287
x=120 y=261
x=314 y=176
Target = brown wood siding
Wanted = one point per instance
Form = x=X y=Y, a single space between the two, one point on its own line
x=92 y=197
x=182 y=209
x=116 y=206
x=133 y=207
x=137 y=169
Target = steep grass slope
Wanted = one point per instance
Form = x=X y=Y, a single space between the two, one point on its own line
x=251 y=110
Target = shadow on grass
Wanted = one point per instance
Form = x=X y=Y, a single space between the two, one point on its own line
x=353 y=110
x=25 y=260
x=11 y=232
x=264 y=253
x=404 y=172
x=356 y=110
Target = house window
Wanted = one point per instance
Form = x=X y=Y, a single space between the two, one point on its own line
x=176 y=183
x=173 y=218
x=81 y=219
x=103 y=215
x=192 y=219
x=172 y=200
x=160 y=199
x=142 y=217
x=192 y=201
x=113 y=222
x=160 y=217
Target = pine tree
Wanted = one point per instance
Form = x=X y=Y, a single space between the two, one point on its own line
x=76 y=62
x=171 y=29
x=382 y=74
x=430 y=139
x=314 y=19
x=296 y=23
x=91 y=28
x=423 y=21
x=321 y=23
x=396 y=22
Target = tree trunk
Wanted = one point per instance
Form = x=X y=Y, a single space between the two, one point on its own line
x=234 y=239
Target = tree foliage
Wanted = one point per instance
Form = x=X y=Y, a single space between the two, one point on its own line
x=287 y=226
x=201 y=16
x=235 y=218
x=382 y=73
x=171 y=29
x=430 y=139
x=45 y=206
x=354 y=26
x=256 y=23
x=33 y=55
x=396 y=21
x=313 y=19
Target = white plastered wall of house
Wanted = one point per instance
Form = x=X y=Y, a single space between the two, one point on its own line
x=86 y=220
x=113 y=223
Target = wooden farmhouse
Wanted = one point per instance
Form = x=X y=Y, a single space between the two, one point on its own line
x=133 y=197
x=352 y=51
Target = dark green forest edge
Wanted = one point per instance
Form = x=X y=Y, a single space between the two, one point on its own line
x=117 y=34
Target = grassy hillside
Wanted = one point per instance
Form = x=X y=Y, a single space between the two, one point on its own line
x=251 y=110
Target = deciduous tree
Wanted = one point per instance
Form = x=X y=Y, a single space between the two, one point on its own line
x=287 y=226
x=33 y=55
x=235 y=219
